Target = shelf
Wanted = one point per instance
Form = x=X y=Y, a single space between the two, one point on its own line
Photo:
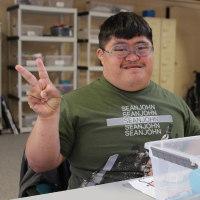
x=82 y=67
x=48 y=68
x=45 y=11
x=16 y=98
x=95 y=68
x=91 y=68
x=95 y=14
x=42 y=9
x=42 y=39
x=91 y=41
x=91 y=17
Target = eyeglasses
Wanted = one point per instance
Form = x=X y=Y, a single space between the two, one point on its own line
x=123 y=51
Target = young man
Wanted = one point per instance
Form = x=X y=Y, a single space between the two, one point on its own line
x=101 y=128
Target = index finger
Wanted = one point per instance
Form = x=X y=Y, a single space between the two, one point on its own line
x=41 y=70
x=28 y=76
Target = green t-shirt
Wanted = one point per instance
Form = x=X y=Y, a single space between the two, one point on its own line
x=103 y=129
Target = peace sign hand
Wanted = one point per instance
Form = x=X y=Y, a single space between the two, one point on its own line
x=43 y=98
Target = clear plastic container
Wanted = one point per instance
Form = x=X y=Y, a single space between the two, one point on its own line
x=28 y=30
x=29 y=59
x=176 y=167
x=61 y=3
x=62 y=31
x=30 y=2
x=24 y=88
x=122 y=8
x=64 y=88
x=60 y=60
x=99 y=6
x=28 y=120
x=83 y=33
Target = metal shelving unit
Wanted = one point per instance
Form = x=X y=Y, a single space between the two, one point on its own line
x=1 y=127
x=20 y=9
x=90 y=41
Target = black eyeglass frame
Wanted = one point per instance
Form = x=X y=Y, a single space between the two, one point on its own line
x=129 y=51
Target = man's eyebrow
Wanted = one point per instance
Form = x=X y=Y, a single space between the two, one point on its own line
x=141 y=42
x=122 y=42
x=119 y=42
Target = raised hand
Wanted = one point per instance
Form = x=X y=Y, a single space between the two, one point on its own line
x=43 y=98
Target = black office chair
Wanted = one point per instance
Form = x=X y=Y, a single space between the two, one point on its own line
x=32 y=183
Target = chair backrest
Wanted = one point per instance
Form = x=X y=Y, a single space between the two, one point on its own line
x=45 y=182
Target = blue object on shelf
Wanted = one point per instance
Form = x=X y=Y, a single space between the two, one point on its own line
x=65 y=82
x=148 y=13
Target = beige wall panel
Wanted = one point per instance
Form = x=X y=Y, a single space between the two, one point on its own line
x=187 y=47
x=167 y=64
x=155 y=24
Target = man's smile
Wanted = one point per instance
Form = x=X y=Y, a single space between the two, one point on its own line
x=132 y=66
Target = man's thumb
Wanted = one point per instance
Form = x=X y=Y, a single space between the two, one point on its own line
x=50 y=93
x=43 y=94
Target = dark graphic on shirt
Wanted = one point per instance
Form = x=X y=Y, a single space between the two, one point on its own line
x=140 y=120
x=168 y=133
x=118 y=168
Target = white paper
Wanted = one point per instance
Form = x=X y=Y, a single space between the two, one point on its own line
x=31 y=33
x=59 y=62
x=145 y=185
x=30 y=62
x=60 y=4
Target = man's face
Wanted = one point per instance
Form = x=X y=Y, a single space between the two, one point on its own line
x=131 y=73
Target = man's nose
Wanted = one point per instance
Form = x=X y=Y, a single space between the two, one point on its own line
x=132 y=56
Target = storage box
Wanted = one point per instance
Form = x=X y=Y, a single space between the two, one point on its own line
x=61 y=3
x=29 y=59
x=60 y=60
x=29 y=120
x=30 y=2
x=122 y=8
x=28 y=30
x=176 y=167
x=64 y=88
x=24 y=88
x=83 y=34
x=99 y=6
x=61 y=31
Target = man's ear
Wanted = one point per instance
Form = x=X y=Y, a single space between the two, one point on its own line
x=100 y=55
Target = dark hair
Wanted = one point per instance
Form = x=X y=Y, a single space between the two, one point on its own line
x=124 y=25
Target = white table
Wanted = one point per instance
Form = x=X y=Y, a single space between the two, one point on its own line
x=109 y=191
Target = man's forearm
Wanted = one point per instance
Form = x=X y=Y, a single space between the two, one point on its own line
x=43 y=145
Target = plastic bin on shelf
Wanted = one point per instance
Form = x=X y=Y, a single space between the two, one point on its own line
x=99 y=6
x=29 y=120
x=29 y=59
x=176 y=167
x=28 y=30
x=83 y=33
x=61 y=31
x=58 y=60
x=122 y=8
x=61 y=3
x=30 y=2
x=64 y=88
x=24 y=89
